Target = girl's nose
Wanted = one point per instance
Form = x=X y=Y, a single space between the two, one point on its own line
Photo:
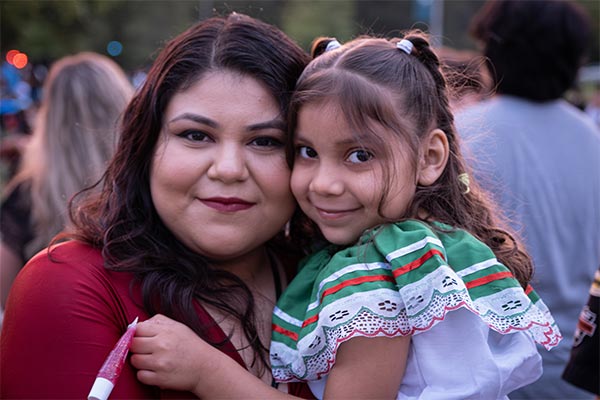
x=228 y=164
x=326 y=182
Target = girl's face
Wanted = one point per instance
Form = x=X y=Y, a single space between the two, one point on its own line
x=339 y=181
x=219 y=178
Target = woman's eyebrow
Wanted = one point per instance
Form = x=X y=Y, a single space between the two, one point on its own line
x=196 y=118
x=276 y=123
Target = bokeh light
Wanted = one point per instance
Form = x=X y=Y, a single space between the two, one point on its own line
x=10 y=55
x=114 y=48
x=20 y=60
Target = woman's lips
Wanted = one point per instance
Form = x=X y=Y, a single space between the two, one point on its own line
x=227 y=204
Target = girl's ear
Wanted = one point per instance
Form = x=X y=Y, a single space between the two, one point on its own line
x=434 y=156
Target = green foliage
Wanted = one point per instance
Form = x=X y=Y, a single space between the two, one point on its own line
x=305 y=20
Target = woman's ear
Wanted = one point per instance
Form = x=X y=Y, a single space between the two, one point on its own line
x=434 y=156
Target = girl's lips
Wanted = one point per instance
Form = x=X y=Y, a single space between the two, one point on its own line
x=334 y=214
x=229 y=204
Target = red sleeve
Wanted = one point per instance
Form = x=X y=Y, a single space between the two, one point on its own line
x=62 y=319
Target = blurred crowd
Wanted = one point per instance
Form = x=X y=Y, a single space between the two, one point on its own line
x=21 y=96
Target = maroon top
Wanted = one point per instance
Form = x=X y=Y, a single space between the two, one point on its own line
x=62 y=319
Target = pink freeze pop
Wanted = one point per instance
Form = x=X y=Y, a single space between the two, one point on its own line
x=111 y=369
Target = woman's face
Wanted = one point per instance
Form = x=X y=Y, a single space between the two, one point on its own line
x=219 y=179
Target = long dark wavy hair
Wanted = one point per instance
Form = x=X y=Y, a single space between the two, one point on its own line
x=375 y=83
x=122 y=220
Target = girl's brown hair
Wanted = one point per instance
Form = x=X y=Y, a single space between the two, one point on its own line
x=375 y=83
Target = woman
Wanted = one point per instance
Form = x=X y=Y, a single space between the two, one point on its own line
x=189 y=222
x=75 y=135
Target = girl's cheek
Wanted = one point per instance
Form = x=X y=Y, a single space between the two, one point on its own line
x=298 y=182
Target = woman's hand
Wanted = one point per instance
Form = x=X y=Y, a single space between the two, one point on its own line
x=170 y=355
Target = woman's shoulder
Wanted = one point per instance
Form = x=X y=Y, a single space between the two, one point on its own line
x=66 y=256
x=71 y=267
x=68 y=281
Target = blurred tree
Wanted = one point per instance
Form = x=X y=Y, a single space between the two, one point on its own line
x=593 y=8
x=304 y=20
x=49 y=29
x=389 y=18
x=45 y=29
x=457 y=17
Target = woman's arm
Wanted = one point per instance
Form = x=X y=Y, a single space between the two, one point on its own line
x=62 y=320
x=170 y=355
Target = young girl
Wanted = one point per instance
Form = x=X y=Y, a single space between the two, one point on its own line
x=420 y=294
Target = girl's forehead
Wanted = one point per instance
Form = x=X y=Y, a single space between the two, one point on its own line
x=326 y=120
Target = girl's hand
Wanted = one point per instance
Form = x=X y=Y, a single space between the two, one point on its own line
x=170 y=355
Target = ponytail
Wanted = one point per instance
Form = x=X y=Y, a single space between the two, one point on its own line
x=323 y=44
x=453 y=201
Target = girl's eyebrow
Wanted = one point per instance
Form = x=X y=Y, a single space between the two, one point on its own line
x=353 y=140
x=276 y=123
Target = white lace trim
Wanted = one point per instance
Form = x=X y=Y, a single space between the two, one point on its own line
x=416 y=308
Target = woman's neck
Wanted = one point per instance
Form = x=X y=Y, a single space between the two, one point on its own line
x=250 y=268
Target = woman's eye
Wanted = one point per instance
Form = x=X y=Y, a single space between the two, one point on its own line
x=266 y=141
x=359 y=156
x=306 y=152
x=194 y=136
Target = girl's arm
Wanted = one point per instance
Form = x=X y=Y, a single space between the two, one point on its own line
x=170 y=355
x=368 y=368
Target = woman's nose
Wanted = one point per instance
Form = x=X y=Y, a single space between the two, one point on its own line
x=228 y=164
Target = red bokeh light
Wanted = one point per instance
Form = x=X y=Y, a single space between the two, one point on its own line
x=20 y=60
x=10 y=55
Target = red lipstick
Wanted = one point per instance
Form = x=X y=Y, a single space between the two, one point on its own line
x=227 y=204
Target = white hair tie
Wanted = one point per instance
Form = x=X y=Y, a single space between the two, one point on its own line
x=405 y=45
x=334 y=44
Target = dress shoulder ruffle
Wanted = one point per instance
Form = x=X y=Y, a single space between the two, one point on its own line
x=400 y=279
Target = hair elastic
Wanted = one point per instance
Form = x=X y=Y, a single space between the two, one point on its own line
x=405 y=45
x=464 y=179
x=334 y=44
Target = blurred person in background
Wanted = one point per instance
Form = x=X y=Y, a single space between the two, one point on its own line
x=75 y=135
x=593 y=107
x=540 y=156
x=16 y=106
x=583 y=369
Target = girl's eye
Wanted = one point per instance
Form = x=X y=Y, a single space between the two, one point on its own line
x=359 y=156
x=194 y=136
x=267 y=141
x=306 y=152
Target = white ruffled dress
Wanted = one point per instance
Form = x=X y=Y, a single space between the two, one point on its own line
x=473 y=327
